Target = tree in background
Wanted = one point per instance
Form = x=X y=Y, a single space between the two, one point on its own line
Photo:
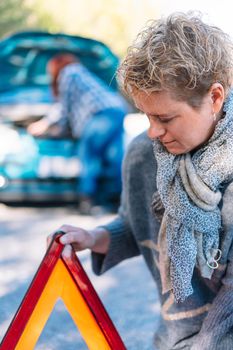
x=115 y=22
x=11 y=18
x=18 y=15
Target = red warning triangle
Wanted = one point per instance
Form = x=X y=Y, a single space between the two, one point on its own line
x=58 y=277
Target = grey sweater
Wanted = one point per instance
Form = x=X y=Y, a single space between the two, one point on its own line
x=205 y=319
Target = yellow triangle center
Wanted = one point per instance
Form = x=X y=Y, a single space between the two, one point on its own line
x=61 y=285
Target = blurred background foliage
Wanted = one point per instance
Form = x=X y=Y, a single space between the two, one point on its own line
x=11 y=18
x=115 y=22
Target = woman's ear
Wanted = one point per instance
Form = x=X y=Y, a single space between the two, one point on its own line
x=217 y=94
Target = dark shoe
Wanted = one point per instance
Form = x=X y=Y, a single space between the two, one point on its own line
x=85 y=205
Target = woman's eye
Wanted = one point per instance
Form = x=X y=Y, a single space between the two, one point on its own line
x=164 y=121
x=160 y=119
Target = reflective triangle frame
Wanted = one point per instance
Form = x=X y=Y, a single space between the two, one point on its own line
x=59 y=277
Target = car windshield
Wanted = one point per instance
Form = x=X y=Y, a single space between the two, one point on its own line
x=29 y=66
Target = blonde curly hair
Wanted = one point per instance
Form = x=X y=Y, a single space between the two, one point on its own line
x=180 y=54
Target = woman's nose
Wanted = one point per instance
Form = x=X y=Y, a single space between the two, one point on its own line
x=156 y=129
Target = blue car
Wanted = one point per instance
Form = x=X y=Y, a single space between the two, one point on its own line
x=41 y=169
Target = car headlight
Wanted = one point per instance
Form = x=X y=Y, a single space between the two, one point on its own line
x=3 y=182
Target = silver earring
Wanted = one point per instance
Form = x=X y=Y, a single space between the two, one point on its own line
x=214 y=117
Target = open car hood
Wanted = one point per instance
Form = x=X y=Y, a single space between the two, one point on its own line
x=23 y=61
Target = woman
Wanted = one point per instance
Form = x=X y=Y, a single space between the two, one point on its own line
x=94 y=114
x=177 y=193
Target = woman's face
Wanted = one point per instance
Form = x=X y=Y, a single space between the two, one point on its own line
x=177 y=125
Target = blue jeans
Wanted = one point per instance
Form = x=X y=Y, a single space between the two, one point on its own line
x=101 y=152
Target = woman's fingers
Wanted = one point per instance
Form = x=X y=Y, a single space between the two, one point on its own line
x=49 y=239
x=78 y=237
x=67 y=252
x=63 y=228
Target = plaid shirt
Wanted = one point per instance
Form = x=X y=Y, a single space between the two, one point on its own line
x=82 y=95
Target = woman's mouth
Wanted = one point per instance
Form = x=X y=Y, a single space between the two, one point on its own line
x=167 y=142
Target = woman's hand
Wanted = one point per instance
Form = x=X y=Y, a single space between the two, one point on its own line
x=97 y=240
x=42 y=127
x=38 y=128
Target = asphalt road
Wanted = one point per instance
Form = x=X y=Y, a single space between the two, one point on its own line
x=127 y=291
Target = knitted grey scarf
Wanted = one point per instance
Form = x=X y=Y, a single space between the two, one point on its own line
x=189 y=187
